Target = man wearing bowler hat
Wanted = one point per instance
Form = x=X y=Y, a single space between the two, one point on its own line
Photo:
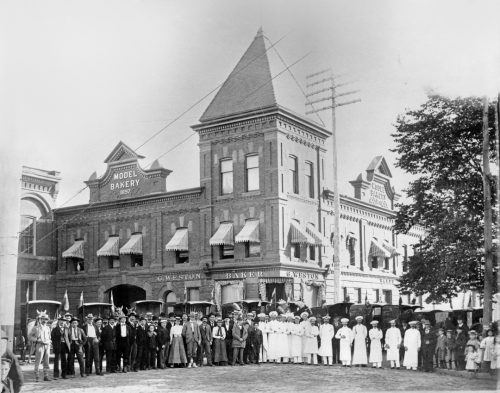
x=60 y=345
x=92 y=346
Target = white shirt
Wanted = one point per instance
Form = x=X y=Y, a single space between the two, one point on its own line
x=123 y=330
x=91 y=331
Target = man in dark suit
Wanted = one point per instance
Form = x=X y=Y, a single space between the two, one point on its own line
x=336 y=341
x=92 y=346
x=212 y=324
x=141 y=338
x=123 y=334
x=228 y=326
x=191 y=332
x=240 y=336
x=99 y=327
x=132 y=341
x=108 y=337
x=206 y=342
x=78 y=339
x=163 y=342
x=60 y=346
x=247 y=352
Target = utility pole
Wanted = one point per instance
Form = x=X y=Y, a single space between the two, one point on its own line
x=327 y=83
x=497 y=249
x=488 y=251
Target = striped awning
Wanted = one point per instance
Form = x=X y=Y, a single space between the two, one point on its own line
x=377 y=250
x=110 y=248
x=249 y=233
x=299 y=234
x=133 y=246
x=223 y=236
x=317 y=236
x=389 y=247
x=179 y=241
x=75 y=251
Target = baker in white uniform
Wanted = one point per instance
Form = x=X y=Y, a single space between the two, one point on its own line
x=392 y=344
x=376 y=336
x=326 y=334
x=345 y=335
x=360 y=333
x=412 y=344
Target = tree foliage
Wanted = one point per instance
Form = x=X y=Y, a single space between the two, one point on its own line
x=440 y=144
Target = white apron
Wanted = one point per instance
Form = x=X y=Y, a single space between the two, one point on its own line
x=344 y=334
x=392 y=340
x=359 y=355
x=412 y=342
x=326 y=333
x=375 y=345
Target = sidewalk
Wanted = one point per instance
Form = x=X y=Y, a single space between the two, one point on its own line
x=466 y=374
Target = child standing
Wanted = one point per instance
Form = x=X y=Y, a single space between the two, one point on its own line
x=487 y=346
x=440 y=350
x=151 y=347
x=450 y=350
x=471 y=358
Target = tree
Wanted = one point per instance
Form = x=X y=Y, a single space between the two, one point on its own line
x=440 y=144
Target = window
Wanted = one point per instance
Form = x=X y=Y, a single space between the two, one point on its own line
x=252 y=172
x=226 y=251
x=170 y=300
x=388 y=296
x=352 y=251
x=27 y=288
x=193 y=294
x=377 y=295
x=296 y=250
x=27 y=235
x=111 y=262
x=294 y=178
x=359 y=295
x=405 y=258
x=309 y=172
x=226 y=176
x=374 y=262
x=136 y=260
x=312 y=253
x=182 y=257
x=75 y=265
x=280 y=291
x=346 y=297
x=231 y=293
x=252 y=249
x=387 y=262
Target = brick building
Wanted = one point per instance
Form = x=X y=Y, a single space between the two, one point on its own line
x=36 y=266
x=260 y=222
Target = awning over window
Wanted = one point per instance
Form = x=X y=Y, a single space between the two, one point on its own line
x=75 y=251
x=249 y=233
x=223 y=236
x=320 y=240
x=133 y=246
x=110 y=248
x=179 y=241
x=389 y=247
x=299 y=234
x=377 y=250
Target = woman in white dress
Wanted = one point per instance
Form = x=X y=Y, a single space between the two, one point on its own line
x=376 y=336
x=296 y=333
x=326 y=334
x=311 y=345
x=344 y=334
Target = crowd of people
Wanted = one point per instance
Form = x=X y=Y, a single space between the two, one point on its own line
x=130 y=343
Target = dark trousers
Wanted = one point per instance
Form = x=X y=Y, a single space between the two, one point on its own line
x=238 y=355
x=61 y=357
x=336 y=350
x=427 y=359
x=229 y=351
x=205 y=350
x=151 y=357
x=110 y=360
x=254 y=353
x=460 y=359
x=101 y=356
x=246 y=353
x=92 y=356
x=132 y=358
x=122 y=352
x=77 y=350
x=162 y=356
x=140 y=360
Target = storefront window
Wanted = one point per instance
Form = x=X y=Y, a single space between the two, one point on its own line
x=311 y=296
x=388 y=296
x=280 y=291
x=170 y=300
x=230 y=293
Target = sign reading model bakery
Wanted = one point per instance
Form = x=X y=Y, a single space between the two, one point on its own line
x=124 y=178
x=374 y=186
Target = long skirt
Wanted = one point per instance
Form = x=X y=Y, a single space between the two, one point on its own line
x=177 y=353
x=220 y=354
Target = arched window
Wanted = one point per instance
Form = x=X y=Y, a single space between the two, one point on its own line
x=169 y=300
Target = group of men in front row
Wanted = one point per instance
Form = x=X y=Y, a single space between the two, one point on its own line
x=131 y=344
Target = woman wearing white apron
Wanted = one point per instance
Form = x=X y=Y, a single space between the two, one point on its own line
x=344 y=334
x=376 y=336
x=326 y=334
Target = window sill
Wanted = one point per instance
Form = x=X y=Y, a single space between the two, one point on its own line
x=224 y=197
x=250 y=193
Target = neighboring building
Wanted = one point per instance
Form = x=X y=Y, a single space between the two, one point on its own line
x=260 y=222
x=36 y=265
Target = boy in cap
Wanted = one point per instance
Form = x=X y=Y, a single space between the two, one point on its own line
x=440 y=351
x=206 y=342
x=345 y=335
x=392 y=344
x=450 y=350
x=360 y=333
x=40 y=335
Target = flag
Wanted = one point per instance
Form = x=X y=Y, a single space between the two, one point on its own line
x=185 y=294
x=27 y=294
x=212 y=295
x=273 y=295
x=366 y=298
x=112 y=302
x=65 y=301
x=81 y=299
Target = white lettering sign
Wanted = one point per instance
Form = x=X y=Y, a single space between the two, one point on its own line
x=120 y=185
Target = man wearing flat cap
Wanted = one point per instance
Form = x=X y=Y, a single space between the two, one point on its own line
x=60 y=346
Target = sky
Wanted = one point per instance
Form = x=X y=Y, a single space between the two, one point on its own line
x=79 y=76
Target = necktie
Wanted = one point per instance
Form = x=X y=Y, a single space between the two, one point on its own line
x=218 y=333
